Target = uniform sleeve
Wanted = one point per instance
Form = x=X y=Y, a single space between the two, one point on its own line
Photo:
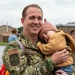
x=16 y=63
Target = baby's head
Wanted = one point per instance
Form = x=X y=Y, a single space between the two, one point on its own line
x=46 y=31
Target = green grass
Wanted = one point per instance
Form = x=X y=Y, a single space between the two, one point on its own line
x=3 y=43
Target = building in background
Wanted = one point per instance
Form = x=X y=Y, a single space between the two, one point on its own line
x=67 y=27
x=5 y=31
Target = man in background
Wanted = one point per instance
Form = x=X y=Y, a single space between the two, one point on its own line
x=72 y=33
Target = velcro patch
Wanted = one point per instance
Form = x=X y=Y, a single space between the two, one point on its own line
x=14 y=57
x=12 y=51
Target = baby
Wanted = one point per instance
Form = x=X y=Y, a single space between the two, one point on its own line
x=56 y=40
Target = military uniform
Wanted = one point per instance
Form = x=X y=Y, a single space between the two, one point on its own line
x=29 y=61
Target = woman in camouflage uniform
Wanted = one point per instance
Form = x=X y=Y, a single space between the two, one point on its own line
x=29 y=60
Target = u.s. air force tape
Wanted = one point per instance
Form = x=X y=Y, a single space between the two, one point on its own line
x=14 y=57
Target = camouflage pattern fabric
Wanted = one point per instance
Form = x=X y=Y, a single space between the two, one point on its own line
x=25 y=62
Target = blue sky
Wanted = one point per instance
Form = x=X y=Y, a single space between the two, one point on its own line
x=56 y=11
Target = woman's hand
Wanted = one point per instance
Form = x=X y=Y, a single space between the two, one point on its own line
x=59 y=57
x=60 y=72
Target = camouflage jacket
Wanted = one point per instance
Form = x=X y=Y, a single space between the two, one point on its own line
x=29 y=61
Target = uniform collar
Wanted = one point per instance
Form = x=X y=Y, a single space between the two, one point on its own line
x=26 y=42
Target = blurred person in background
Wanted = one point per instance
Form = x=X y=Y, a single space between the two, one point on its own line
x=72 y=33
x=13 y=36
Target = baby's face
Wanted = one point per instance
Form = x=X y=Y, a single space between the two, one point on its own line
x=46 y=35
